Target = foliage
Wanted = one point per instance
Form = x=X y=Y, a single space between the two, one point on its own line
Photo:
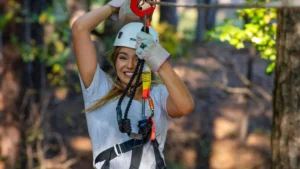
x=168 y=38
x=171 y=41
x=55 y=50
x=259 y=31
x=5 y=18
x=56 y=54
x=47 y=16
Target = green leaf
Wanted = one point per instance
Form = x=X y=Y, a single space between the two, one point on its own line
x=51 y=19
x=270 y=68
x=260 y=32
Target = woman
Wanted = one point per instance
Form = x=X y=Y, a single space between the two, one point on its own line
x=101 y=93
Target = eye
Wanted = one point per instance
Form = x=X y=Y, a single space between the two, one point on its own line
x=122 y=58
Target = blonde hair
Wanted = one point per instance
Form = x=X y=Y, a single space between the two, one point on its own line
x=117 y=87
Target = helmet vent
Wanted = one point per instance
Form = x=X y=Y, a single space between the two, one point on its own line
x=132 y=39
x=126 y=37
x=120 y=35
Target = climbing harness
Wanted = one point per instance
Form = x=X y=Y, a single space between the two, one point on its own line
x=146 y=127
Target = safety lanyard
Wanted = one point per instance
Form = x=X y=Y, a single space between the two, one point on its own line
x=136 y=8
x=141 y=71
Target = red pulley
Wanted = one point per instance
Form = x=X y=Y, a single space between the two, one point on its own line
x=134 y=5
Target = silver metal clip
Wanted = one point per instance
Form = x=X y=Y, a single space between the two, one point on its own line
x=116 y=147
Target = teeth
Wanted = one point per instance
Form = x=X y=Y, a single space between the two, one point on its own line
x=129 y=74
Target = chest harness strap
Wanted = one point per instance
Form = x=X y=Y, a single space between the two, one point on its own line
x=126 y=146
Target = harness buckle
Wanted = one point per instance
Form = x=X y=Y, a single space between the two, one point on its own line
x=116 y=147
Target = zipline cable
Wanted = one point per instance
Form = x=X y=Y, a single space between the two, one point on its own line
x=288 y=4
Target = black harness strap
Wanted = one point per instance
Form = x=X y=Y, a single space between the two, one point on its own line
x=137 y=150
x=136 y=157
x=117 y=150
x=160 y=164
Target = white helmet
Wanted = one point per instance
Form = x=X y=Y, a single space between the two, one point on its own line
x=127 y=35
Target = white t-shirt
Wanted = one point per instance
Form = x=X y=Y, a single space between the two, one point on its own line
x=103 y=127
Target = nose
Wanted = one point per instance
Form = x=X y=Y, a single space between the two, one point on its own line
x=131 y=64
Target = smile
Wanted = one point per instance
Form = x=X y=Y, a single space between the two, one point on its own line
x=128 y=74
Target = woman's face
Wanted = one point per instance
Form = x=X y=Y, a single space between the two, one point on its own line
x=125 y=64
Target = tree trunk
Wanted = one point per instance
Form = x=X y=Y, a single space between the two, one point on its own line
x=168 y=14
x=205 y=20
x=10 y=72
x=200 y=24
x=210 y=14
x=10 y=135
x=16 y=113
x=286 y=120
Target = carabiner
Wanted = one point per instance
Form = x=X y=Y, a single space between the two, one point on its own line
x=134 y=5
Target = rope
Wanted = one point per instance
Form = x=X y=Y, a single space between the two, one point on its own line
x=134 y=88
x=289 y=4
x=125 y=124
x=119 y=111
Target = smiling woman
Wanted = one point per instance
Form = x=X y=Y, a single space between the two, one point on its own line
x=112 y=147
x=126 y=64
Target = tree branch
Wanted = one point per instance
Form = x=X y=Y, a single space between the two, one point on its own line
x=243 y=78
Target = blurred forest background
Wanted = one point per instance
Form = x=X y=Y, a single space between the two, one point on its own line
x=225 y=56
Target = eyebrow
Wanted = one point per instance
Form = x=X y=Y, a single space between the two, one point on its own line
x=124 y=53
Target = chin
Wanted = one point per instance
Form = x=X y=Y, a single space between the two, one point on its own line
x=124 y=79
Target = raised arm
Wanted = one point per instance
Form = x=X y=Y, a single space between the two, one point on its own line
x=85 y=51
x=179 y=101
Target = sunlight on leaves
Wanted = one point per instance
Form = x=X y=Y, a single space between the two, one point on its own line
x=259 y=30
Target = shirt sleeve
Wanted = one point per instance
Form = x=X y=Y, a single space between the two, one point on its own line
x=98 y=88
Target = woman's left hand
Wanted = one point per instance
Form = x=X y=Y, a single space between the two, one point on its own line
x=126 y=15
x=153 y=53
x=116 y=3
